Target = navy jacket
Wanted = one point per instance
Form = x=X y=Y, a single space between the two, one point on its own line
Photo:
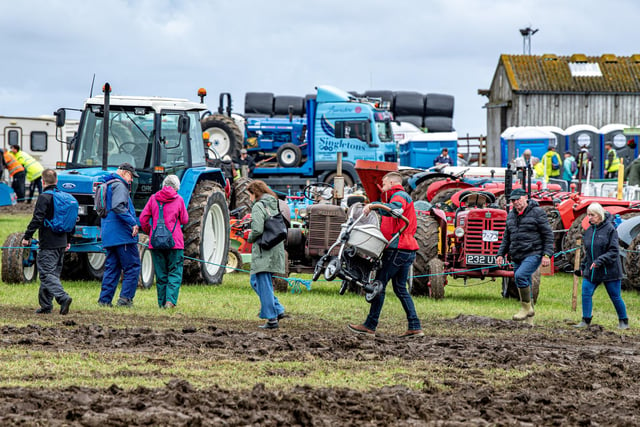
x=601 y=246
x=121 y=218
x=527 y=234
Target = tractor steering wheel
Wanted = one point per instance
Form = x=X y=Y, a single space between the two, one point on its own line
x=121 y=148
x=317 y=191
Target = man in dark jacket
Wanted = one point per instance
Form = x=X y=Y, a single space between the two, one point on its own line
x=528 y=240
x=397 y=258
x=120 y=239
x=51 y=251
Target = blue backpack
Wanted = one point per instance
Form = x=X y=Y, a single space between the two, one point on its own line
x=161 y=237
x=65 y=212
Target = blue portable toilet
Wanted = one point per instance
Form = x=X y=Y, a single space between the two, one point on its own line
x=586 y=136
x=420 y=151
x=615 y=134
x=515 y=140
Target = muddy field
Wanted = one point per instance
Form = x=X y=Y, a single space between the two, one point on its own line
x=577 y=377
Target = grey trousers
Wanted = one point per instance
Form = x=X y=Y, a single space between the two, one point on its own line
x=50 y=267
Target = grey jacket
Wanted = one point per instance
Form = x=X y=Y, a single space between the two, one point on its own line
x=271 y=260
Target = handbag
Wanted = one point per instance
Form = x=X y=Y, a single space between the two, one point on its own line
x=161 y=237
x=275 y=230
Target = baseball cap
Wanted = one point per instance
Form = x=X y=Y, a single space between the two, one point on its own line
x=517 y=193
x=243 y=151
x=129 y=168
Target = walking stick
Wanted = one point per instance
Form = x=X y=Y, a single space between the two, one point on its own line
x=576 y=278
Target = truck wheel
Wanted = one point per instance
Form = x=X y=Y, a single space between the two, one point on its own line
x=95 y=264
x=348 y=180
x=147 y=272
x=241 y=195
x=234 y=261
x=427 y=235
x=206 y=235
x=289 y=155
x=436 y=279
x=510 y=290
x=225 y=136
x=18 y=265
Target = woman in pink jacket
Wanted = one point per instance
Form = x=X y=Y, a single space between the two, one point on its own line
x=167 y=262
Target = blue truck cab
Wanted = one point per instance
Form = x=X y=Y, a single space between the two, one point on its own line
x=307 y=148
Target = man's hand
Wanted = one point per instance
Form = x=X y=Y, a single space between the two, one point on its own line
x=68 y=247
x=26 y=243
x=546 y=261
x=499 y=260
x=134 y=233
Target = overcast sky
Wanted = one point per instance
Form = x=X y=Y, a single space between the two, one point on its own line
x=51 y=49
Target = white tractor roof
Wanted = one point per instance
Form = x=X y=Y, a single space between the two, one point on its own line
x=155 y=102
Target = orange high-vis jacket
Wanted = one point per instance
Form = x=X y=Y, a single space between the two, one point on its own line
x=13 y=166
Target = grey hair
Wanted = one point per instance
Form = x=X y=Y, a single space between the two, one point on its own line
x=596 y=208
x=171 y=181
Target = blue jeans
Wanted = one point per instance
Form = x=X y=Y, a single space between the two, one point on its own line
x=395 y=266
x=120 y=259
x=613 y=289
x=270 y=307
x=525 y=269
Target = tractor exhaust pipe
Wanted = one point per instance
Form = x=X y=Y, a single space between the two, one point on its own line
x=105 y=127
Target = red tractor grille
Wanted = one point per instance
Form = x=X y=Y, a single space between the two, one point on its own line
x=324 y=228
x=476 y=225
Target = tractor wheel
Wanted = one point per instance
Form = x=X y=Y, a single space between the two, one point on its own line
x=406 y=174
x=348 y=180
x=95 y=264
x=225 y=136
x=420 y=193
x=510 y=290
x=147 y=271
x=289 y=155
x=631 y=264
x=555 y=221
x=444 y=196
x=501 y=201
x=206 y=235
x=14 y=268
x=436 y=279
x=241 y=195
x=234 y=261
x=571 y=237
x=427 y=236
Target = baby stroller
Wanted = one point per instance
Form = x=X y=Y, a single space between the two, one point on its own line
x=360 y=253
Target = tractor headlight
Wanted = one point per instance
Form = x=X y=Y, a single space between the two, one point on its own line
x=459 y=232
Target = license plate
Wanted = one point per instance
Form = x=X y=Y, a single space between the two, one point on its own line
x=489 y=236
x=481 y=259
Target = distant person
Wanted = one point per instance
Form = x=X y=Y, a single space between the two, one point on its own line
x=569 y=167
x=461 y=160
x=52 y=246
x=632 y=173
x=524 y=160
x=33 y=168
x=246 y=160
x=167 y=262
x=443 y=159
x=611 y=162
x=120 y=239
x=16 y=172
x=552 y=162
x=538 y=167
x=585 y=163
x=601 y=264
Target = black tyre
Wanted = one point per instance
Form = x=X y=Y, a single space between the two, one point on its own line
x=438 y=124
x=555 y=222
x=225 y=137
x=94 y=262
x=348 y=179
x=631 y=265
x=571 y=237
x=234 y=261
x=289 y=155
x=240 y=193
x=406 y=175
x=436 y=278
x=427 y=236
x=436 y=104
x=414 y=120
x=444 y=196
x=420 y=193
x=510 y=290
x=206 y=235
x=14 y=269
x=147 y=271
x=281 y=105
x=258 y=103
x=332 y=269
x=409 y=104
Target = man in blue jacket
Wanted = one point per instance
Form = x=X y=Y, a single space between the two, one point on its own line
x=120 y=239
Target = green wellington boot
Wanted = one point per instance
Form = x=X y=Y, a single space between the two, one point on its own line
x=526 y=309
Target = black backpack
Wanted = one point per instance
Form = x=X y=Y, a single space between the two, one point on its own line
x=161 y=237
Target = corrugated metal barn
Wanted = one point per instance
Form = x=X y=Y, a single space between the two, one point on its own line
x=562 y=91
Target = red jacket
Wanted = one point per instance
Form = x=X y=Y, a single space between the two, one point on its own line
x=175 y=214
x=397 y=198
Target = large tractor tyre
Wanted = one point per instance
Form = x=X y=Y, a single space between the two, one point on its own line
x=631 y=265
x=348 y=180
x=555 y=222
x=14 y=267
x=94 y=262
x=569 y=240
x=427 y=236
x=258 y=103
x=234 y=261
x=510 y=290
x=444 y=196
x=420 y=193
x=147 y=271
x=436 y=278
x=409 y=104
x=241 y=195
x=225 y=136
x=289 y=155
x=438 y=124
x=206 y=235
x=436 y=104
x=74 y=266
x=406 y=175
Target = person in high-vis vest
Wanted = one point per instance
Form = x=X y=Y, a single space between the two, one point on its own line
x=612 y=162
x=33 y=168
x=552 y=162
x=16 y=172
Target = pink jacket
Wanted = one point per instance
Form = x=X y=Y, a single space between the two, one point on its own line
x=174 y=211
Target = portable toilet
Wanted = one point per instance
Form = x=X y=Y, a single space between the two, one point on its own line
x=515 y=140
x=615 y=134
x=420 y=151
x=560 y=138
x=586 y=136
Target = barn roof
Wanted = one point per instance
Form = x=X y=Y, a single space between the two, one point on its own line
x=577 y=73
